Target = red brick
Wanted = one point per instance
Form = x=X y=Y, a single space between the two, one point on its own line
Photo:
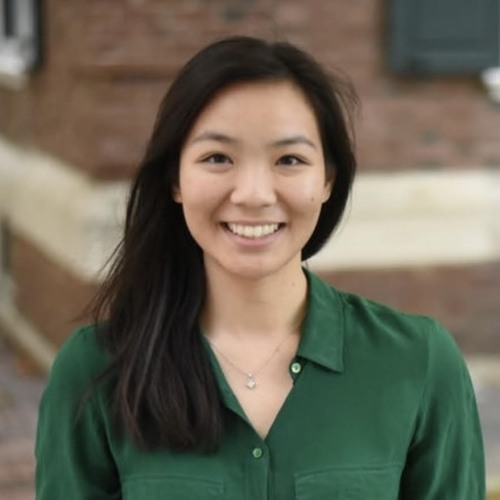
x=108 y=63
x=51 y=297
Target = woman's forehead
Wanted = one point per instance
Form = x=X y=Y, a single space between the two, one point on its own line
x=279 y=108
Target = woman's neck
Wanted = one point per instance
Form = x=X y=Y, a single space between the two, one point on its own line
x=264 y=307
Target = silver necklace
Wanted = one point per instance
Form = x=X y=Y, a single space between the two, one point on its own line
x=250 y=383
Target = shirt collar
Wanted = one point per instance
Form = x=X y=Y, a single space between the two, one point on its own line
x=323 y=330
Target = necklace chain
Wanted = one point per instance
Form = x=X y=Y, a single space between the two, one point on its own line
x=250 y=383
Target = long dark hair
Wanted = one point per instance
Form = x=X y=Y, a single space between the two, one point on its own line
x=147 y=310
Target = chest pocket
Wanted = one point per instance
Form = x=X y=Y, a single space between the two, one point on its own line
x=376 y=483
x=172 y=488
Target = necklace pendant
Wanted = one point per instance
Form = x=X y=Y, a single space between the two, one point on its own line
x=250 y=383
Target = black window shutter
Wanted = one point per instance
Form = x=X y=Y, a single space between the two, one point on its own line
x=8 y=19
x=429 y=37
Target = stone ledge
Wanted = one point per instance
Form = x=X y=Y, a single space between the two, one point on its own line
x=72 y=218
x=414 y=219
x=406 y=219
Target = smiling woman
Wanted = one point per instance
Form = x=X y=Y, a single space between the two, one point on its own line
x=217 y=366
x=252 y=189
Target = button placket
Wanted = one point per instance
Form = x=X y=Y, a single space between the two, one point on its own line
x=258 y=471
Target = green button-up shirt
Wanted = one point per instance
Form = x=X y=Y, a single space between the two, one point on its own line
x=382 y=408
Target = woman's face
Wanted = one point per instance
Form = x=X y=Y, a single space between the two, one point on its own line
x=252 y=179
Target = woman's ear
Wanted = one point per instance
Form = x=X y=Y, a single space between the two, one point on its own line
x=328 y=190
x=176 y=194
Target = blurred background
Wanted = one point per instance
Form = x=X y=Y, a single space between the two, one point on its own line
x=80 y=83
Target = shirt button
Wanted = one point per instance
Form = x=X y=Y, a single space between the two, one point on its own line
x=257 y=453
x=296 y=367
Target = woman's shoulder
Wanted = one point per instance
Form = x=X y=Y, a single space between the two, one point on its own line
x=371 y=324
x=389 y=327
x=81 y=358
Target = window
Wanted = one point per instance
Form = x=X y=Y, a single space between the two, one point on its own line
x=20 y=40
x=433 y=37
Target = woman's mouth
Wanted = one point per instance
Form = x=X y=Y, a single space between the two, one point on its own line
x=253 y=231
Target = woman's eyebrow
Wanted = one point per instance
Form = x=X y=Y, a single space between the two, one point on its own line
x=210 y=135
x=214 y=136
x=295 y=139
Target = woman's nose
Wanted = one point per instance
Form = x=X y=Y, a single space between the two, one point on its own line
x=254 y=186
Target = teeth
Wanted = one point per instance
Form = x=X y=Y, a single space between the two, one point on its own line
x=253 y=231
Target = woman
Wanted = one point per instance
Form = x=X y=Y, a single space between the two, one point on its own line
x=218 y=367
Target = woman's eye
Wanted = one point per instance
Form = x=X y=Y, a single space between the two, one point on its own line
x=216 y=158
x=291 y=160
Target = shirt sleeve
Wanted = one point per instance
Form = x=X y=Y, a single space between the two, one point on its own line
x=73 y=459
x=446 y=457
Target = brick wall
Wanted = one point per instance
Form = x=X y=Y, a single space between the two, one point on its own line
x=53 y=298
x=108 y=63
